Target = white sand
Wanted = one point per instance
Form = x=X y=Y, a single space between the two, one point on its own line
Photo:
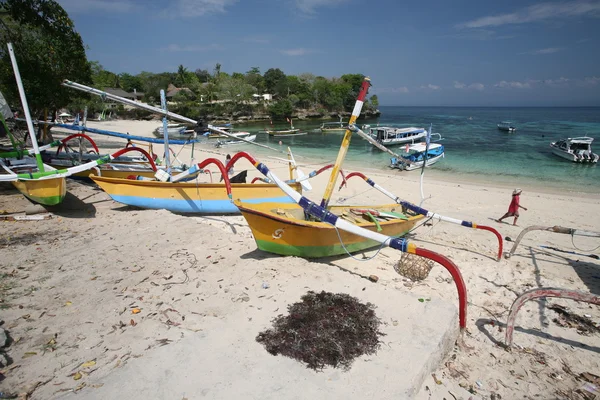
x=68 y=285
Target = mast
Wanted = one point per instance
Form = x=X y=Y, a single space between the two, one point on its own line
x=163 y=103
x=34 y=142
x=345 y=142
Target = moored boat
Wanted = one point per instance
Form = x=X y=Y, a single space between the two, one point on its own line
x=172 y=130
x=389 y=135
x=507 y=126
x=333 y=127
x=282 y=228
x=577 y=149
x=283 y=132
x=232 y=142
x=417 y=154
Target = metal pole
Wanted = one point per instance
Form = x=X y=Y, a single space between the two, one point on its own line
x=163 y=103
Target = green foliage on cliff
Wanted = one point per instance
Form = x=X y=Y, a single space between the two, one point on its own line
x=235 y=94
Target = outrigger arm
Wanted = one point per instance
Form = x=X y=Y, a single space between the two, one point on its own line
x=429 y=214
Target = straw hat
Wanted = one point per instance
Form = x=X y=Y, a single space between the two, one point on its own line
x=517 y=191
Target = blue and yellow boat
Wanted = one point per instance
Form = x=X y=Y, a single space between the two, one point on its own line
x=190 y=197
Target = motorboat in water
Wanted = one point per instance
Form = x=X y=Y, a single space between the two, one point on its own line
x=172 y=129
x=387 y=135
x=417 y=154
x=507 y=126
x=231 y=142
x=577 y=149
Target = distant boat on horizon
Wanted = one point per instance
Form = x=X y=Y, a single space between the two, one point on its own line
x=507 y=126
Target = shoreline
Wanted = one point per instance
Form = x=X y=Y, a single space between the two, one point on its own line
x=433 y=176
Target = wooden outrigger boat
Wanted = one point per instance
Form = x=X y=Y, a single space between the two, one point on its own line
x=186 y=197
x=284 y=132
x=171 y=193
x=283 y=229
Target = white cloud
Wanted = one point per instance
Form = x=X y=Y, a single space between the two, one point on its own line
x=591 y=81
x=309 y=6
x=402 y=89
x=538 y=12
x=257 y=39
x=198 y=8
x=472 y=86
x=191 y=48
x=560 y=82
x=549 y=50
x=431 y=87
x=513 y=85
x=295 y=52
x=91 y=6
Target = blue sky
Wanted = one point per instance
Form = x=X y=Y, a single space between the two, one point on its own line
x=420 y=53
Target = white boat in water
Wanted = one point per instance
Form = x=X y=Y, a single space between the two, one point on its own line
x=172 y=129
x=232 y=142
x=577 y=149
x=507 y=126
x=389 y=135
x=414 y=156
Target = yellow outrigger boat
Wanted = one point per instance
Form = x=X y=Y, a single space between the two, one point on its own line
x=283 y=229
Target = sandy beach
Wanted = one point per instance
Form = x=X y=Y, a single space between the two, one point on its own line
x=101 y=285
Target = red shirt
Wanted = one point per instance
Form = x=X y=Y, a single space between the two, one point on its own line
x=514 y=204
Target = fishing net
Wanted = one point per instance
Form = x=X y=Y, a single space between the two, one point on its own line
x=414 y=267
x=324 y=329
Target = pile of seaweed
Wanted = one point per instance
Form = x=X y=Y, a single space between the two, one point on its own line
x=324 y=329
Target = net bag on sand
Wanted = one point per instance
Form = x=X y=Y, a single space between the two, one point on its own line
x=414 y=267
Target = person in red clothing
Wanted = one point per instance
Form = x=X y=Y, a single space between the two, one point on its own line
x=513 y=209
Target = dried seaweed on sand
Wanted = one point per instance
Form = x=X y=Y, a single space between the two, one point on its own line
x=324 y=329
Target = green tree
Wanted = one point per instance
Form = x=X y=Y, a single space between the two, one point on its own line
x=128 y=82
x=374 y=101
x=281 y=109
x=203 y=75
x=181 y=77
x=272 y=78
x=254 y=78
x=234 y=92
x=48 y=50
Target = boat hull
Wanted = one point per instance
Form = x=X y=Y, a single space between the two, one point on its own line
x=202 y=198
x=571 y=157
x=48 y=192
x=283 y=132
x=419 y=164
x=281 y=234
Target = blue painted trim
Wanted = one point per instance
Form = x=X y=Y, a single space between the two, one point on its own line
x=399 y=244
x=414 y=208
x=121 y=135
x=370 y=182
x=194 y=206
x=467 y=224
x=317 y=211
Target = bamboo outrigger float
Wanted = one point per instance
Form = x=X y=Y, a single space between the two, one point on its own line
x=555 y=229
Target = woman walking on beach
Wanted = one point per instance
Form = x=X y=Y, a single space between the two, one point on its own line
x=513 y=208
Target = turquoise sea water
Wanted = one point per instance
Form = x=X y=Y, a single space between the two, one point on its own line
x=475 y=148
